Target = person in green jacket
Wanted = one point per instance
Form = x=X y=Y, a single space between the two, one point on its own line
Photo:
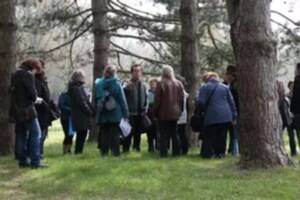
x=111 y=109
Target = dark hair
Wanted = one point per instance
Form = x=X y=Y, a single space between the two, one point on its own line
x=231 y=69
x=182 y=80
x=32 y=64
x=290 y=83
x=135 y=66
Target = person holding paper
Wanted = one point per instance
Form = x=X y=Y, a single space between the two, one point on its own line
x=111 y=109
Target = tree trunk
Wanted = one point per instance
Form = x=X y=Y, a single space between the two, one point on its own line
x=255 y=51
x=7 y=65
x=189 y=49
x=101 y=43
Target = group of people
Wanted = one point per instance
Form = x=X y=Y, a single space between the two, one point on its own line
x=156 y=111
x=160 y=110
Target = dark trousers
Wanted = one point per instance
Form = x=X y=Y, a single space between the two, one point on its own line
x=28 y=136
x=110 y=138
x=183 y=140
x=44 y=134
x=135 y=122
x=80 y=140
x=292 y=142
x=168 y=131
x=68 y=138
x=152 y=138
x=214 y=140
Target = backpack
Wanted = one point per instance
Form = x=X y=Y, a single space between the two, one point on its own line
x=107 y=103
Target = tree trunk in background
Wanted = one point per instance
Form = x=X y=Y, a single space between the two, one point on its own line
x=101 y=43
x=189 y=50
x=7 y=65
x=255 y=51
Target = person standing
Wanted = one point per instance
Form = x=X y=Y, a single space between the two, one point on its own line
x=109 y=92
x=168 y=106
x=136 y=96
x=23 y=113
x=81 y=109
x=231 y=81
x=66 y=122
x=43 y=109
x=152 y=134
x=220 y=113
x=182 y=122
x=295 y=105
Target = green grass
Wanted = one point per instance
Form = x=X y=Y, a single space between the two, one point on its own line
x=141 y=176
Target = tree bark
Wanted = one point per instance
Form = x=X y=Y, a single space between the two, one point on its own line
x=255 y=52
x=7 y=65
x=189 y=49
x=101 y=43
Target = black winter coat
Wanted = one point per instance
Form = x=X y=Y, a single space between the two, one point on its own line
x=295 y=102
x=81 y=108
x=23 y=95
x=43 y=109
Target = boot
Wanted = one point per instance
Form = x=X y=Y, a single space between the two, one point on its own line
x=69 y=149
x=65 y=149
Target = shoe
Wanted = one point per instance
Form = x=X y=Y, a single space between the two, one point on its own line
x=40 y=166
x=24 y=165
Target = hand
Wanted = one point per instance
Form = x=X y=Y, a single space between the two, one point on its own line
x=234 y=122
x=38 y=100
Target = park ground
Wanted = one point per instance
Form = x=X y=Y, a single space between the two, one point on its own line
x=141 y=176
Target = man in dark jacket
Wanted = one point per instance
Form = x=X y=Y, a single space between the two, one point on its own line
x=231 y=81
x=136 y=96
x=23 y=113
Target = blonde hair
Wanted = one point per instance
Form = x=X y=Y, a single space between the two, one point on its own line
x=209 y=75
x=109 y=70
x=78 y=76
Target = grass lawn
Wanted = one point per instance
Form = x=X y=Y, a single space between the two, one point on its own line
x=141 y=176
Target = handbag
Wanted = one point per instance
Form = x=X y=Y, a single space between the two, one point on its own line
x=146 y=123
x=198 y=118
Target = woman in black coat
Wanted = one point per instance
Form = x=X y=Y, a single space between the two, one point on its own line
x=43 y=109
x=81 y=109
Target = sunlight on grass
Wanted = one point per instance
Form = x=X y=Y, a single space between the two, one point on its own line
x=141 y=176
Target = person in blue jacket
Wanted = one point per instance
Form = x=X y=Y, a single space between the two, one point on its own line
x=66 y=121
x=109 y=91
x=220 y=113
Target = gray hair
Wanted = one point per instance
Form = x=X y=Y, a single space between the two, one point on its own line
x=168 y=72
x=78 y=76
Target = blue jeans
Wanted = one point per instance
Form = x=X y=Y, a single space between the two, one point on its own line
x=28 y=136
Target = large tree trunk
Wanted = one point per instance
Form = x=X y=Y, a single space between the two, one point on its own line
x=101 y=42
x=255 y=51
x=189 y=49
x=7 y=65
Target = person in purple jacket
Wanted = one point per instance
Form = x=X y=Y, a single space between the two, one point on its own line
x=220 y=113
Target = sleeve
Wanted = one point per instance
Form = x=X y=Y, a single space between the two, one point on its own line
x=77 y=94
x=123 y=102
x=29 y=84
x=294 y=99
x=231 y=103
x=181 y=97
x=202 y=95
x=157 y=99
x=146 y=104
